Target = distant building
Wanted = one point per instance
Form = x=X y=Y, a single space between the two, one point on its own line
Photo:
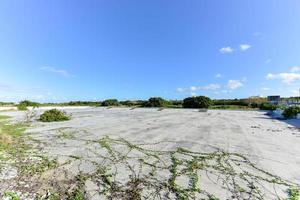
x=275 y=100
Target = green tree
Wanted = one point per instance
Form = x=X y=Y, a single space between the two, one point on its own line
x=197 y=102
x=110 y=102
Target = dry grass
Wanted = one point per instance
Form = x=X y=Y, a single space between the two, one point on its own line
x=5 y=139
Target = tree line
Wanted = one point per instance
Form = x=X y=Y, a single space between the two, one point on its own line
x=189 y=102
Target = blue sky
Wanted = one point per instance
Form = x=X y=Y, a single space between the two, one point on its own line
x=63 y=50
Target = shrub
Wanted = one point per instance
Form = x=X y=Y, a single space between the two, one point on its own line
x=155 y=102
x=54 y=115
x=291 y=112
x=24 y=104
x=175 y=103
x=237 y=102
x=254 y=105
x=22 y=107
x=83 y=103
x=110 y=102
x=267 y=106
x=197 y=102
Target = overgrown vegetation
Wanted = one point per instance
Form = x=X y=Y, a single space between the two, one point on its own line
x=110 y=102
x=155 y=102
x=24 y=104
x=82 y=103
x=291 y=112
x=293 y=193
x=197 y=102
x=267 y=106
x=9 y=134
x=249 y=103
x=140 y=171
x=54 y=115
x=145 y=171
x=16 y=153
x=12 y=196
x=6 y=103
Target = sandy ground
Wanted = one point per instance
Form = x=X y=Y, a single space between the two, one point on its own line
x=271 y=144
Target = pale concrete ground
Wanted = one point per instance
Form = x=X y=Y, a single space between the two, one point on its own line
x=7 y=108
x=271 y=144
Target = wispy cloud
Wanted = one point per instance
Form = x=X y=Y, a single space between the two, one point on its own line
x=218 y=75
x=226 y=50
x=5 y=87
x=10 y=92
x=265 y=88
x=181 y=89
x=286 y=77
x=244 y=47
x=234 y=84
x=210 y=87
x=216 y=88
x=60 y=72
x=295 y=69
x=197 y=88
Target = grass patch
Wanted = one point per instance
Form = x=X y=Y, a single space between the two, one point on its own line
x=62 y=134
x=4 y=117
x=9 y=134
x=16 y=153
x=12 y=196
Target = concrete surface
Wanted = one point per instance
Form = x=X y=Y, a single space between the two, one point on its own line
x=271 y=144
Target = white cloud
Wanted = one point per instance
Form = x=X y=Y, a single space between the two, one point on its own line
x=295 y=93
x=295 y=69
x=60 y=72
x=210 y=87
x=180 y=89
x=193 y=94
x=234 y=84
x=265 y=89
x=245 y=47
x=226 y=50
x=193 y=89
x=284 y=77
x=225 y=91
x=218 y=75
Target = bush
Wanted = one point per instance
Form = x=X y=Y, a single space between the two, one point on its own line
x=155 y=102
x=22 y=107
x=291 y=112
x=267 y=106
x=54 y=115
x=237 y=102
x=254 y=105
x=197 y=102
x=24 y=104
x=83 y=103
x=110 y=102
